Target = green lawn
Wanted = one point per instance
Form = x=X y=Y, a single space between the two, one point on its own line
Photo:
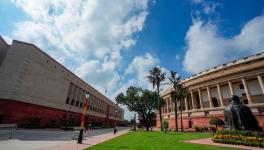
x=155 y=141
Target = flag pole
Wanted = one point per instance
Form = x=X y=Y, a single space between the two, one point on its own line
x=80 y=138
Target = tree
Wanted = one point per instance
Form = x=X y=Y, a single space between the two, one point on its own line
x=141 y=101
x=216 y=121
x=155 y=77
x=177 y=95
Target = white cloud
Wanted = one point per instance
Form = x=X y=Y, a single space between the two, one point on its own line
x=251 y=37
x=75 y=27
x=208 y=7
x=207 y=48
x=81 y=31
x=140 y=67
x=101 y=75
x=85 y=35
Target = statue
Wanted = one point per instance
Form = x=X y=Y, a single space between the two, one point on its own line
x=239 y=117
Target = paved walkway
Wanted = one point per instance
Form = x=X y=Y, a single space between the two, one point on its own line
x=208 y=141
x=88 y=142
x=25 y=139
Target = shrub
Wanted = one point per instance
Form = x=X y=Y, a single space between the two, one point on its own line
x=216 y=121
x=165 y=125
x=201 y=129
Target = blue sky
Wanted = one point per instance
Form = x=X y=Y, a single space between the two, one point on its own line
x=112 y=44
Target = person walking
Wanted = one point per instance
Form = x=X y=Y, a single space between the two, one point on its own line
x=115 y=130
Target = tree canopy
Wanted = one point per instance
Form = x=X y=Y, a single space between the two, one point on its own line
x=141 y=101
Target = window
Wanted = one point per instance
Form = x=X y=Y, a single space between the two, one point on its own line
x=81 y=104
x=77 y=103
x=67 y=100
x=72 y=102
x=47 y=61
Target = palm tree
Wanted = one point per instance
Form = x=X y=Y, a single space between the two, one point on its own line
x=182 y=95
x=156 y=76
x=177 y=95
x=175 y=81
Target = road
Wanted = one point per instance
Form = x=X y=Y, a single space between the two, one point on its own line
x=40 y=139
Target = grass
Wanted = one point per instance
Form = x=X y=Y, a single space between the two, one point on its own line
x=141 y=140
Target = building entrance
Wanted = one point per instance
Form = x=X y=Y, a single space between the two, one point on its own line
x=190 y=124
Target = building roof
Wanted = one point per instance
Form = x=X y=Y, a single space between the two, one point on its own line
x=225 y=65
x=218 y=68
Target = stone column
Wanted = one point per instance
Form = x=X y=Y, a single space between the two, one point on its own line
x=220 y=95
x=231 y=88
x=246 y=90
x=167 y=105
x=186 y=104
x=200 y=97
x=209 y=96
x=261 y=83
x=171 y=102
x=192 y=99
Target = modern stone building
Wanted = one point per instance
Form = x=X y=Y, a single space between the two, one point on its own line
x=210 y=91
x=33 y=84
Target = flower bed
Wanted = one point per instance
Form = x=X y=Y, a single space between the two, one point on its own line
x=239 y=138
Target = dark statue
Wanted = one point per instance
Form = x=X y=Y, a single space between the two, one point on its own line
x=239 y=117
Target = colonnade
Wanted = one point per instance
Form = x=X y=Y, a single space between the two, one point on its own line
x=169 y=107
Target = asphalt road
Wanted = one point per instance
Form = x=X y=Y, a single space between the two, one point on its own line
x=39 y=139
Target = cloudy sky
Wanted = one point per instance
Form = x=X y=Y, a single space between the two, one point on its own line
x=112 y=44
